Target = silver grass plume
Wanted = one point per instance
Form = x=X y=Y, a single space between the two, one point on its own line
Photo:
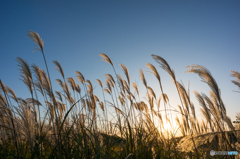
x=83 y=102
x=125 y=70
x=59 y=68
x=96 y=99
x=237 y=75
x=90 y=87
x=126 y=86
x=109 y=86
x=46 y=84
x=163 y=63
x=106 y=58
x=227 y=119
x=132 y=96
x=26 y=73
x=36 y=38
x=212 y=107
x=31 y=101
x=121 y=84
x=28 y=82
x=77 y=88
x=158 y=102
x=128 y=97
x=154 y=71
x=107 y=91
x=165 y=97
x=193 y=110
x=207 y=78
x=135 y=87
x=11 y=93
x=151 y=92
x=38 y=74
x=142 y=77
x=123 y=96
x=39 y=88
x=110 y=77
x=111 y=83
x=3 y=87
x=118 y=110
x=180 y=109
x=160 y=117
x=24 y=67
x=59 y=96
x=183 y=95
x=216 y=104
x=205 y=111
x=80 y=77
x=3 y=102
x=60 y=83
x=121 y=100
x=99 y=82
x=101 y=104
x=72 y=83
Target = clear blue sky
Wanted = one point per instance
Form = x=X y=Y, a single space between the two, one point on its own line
x=75 y=32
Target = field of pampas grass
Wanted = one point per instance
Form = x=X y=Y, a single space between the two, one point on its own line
x=73 y=127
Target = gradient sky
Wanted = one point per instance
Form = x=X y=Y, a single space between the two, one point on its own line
x=75 y=32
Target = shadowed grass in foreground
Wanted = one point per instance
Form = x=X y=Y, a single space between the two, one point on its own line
x=73 y=127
